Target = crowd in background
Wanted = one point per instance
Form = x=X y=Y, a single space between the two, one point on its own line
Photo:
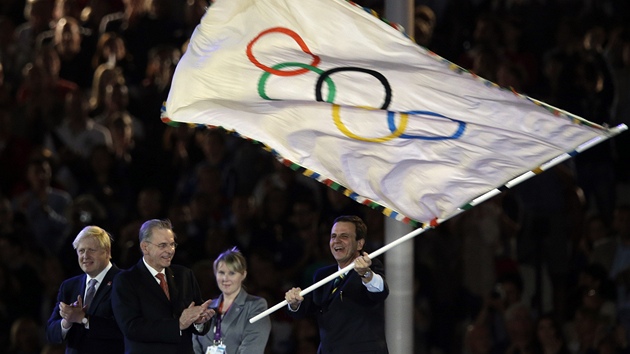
x=544 y=267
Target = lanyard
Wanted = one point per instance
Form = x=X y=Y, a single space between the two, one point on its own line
x=217 y=329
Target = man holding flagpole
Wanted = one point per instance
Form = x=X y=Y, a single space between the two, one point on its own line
x=350 y=309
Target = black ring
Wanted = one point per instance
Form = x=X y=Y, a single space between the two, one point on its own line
x=380 y=77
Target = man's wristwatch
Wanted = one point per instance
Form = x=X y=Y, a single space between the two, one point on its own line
x=84 y=320
x=367 y=274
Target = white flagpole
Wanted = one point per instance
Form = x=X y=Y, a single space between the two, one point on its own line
x=341 y=271
x=553 y=162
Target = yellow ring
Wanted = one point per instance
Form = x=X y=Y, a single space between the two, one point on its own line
x=395 y=134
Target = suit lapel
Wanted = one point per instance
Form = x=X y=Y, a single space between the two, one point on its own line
x=150 y=282
x=326 y=291
x=234 y=311
x=329 y=285
x=172 y=288
x=81 y=288
x=104 y=288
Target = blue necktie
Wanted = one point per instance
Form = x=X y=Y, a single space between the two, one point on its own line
x=89 y=295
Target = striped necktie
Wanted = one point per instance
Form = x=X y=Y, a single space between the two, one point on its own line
x=336 y=283
x=89 y=295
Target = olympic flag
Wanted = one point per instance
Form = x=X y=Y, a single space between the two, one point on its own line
x=356 y=104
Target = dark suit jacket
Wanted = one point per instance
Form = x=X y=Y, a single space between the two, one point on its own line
x=238 y=335
x=104 y=336
x=352 y=320
x=147 y=319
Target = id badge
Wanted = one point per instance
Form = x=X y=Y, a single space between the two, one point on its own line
x=216 y=349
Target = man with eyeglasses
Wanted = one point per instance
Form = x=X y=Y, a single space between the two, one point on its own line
x=83 y=317
x=158 y=305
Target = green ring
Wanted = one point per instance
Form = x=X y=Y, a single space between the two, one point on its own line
x=265 y=76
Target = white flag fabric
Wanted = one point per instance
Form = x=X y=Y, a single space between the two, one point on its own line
x=352 y=100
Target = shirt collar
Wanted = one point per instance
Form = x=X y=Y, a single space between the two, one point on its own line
x=100 y=275
x=151 y=269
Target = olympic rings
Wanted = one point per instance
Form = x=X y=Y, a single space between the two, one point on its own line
x=376 y=74
x=395 y=133
x=324 y=75
x=392 y=126
x=266 y=74
x=296 y=37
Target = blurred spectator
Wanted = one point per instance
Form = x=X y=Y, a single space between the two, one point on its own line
x=306 y=336
x=40 y=100
x=121 y=128
x=68 y=8
x=477 y=339
x=584 y=331
x=75 y=48
x=296 y=186
x=14 y=9
x=204 y=272
x=147 y=96
x=39 y=14
x=518 y=58
x=519 y=323
x=149 y=205
x=115 y=103
x=112 y=50
x=104 y=75
x=594 y=290
x=620 y=271
x=8 y=291
x=549 y=213
x=53 y=349
x=133 y=9
x=507 y=292
x=94 y=10
x=45 y=207
x=207 y=210
x=73 y=140
x=480 y=232
x=26 y=337
x=108 y=184
x=549 y=336
x=78 y=132
x=182 y=154
x=217 y=163
x=619 y=59
x=602 y=245
x=51 y=273
x=13 y=148
x=304 y=219
x=145 y=24
x=485 y=46
x=193 y=12
x=242 y=226
x=424 y=25
x=8 y=47
x=6 y=216
x=26 y=296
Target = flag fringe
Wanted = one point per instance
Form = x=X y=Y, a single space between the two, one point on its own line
x=393 y=213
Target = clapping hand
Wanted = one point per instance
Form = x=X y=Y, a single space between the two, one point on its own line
x=195 y=314
x=71 y=313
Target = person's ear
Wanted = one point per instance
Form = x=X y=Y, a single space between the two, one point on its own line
x=244 y=275
x=143 y=247
x=361 y=244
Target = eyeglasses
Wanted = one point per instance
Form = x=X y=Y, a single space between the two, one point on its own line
x=164 y=245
